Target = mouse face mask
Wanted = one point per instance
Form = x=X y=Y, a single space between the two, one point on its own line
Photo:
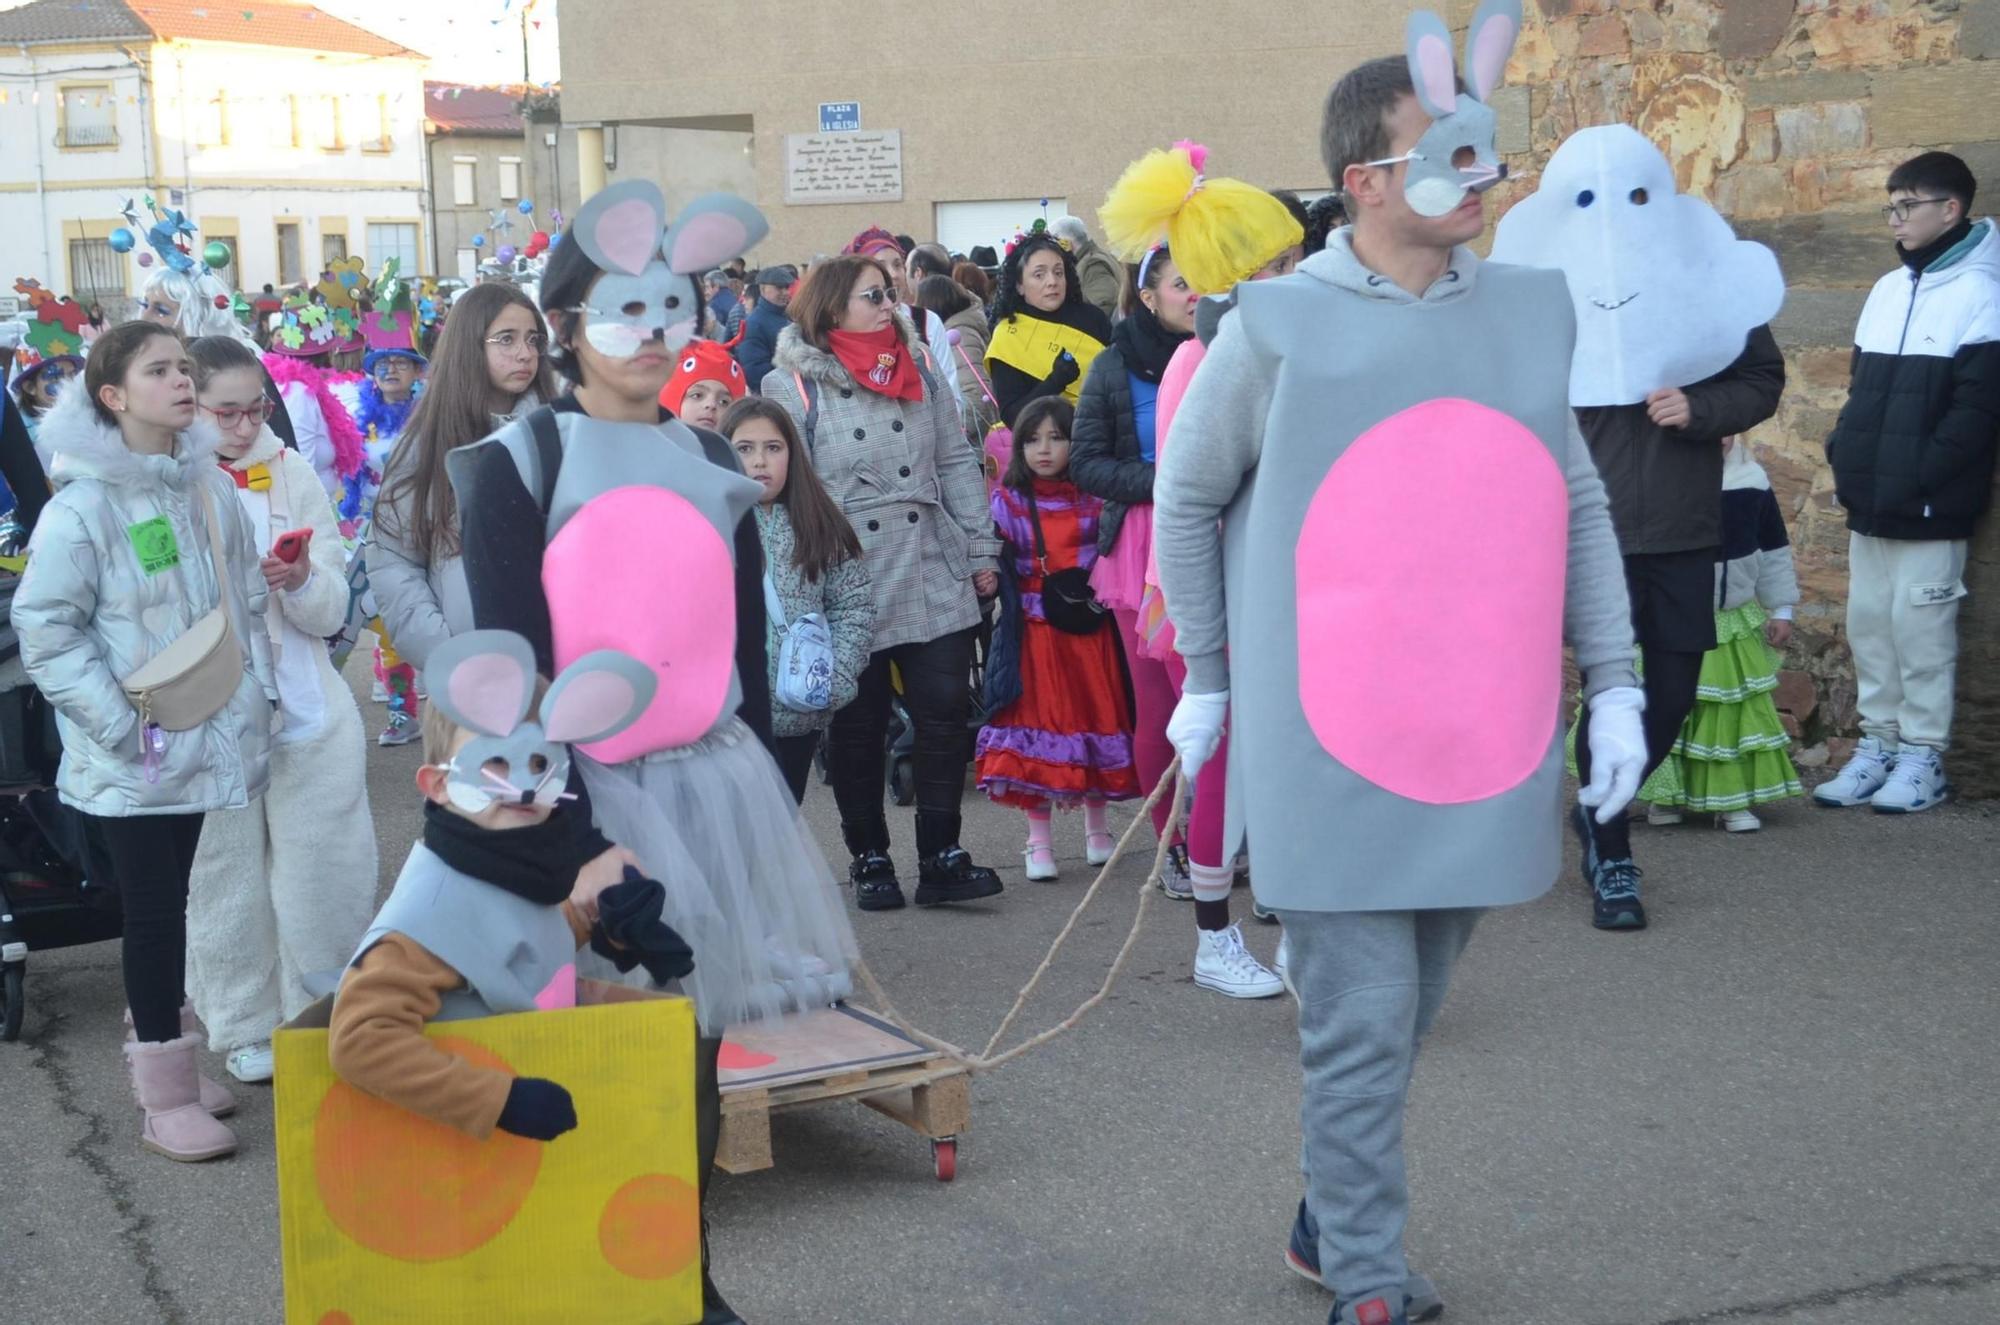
x=1665 y=293
x=484 y=681
x=1456 y=155
x=649 y=291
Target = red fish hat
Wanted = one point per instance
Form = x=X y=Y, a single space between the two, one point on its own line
x=703 y=361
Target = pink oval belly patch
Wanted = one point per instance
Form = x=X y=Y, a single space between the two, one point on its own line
x=642 y=570
x=1430 y=597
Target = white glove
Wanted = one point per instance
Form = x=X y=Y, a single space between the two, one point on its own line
x=1196 y=729
x=1617 y=751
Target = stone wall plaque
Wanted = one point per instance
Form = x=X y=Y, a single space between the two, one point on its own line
x=865 y=166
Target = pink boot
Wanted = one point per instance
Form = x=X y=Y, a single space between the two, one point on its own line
x=169 y=1090
x=215 y=1096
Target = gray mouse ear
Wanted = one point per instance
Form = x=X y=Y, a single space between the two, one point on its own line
x=483 y=680
x=1496 y=25
x=711 y=230
x=1427 y=43
x=619 y=228
x=596 y=697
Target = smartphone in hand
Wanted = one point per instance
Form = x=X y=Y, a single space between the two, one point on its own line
x=292 y=545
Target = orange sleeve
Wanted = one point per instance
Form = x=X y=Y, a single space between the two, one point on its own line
x=377 y=1040
x=579 y=927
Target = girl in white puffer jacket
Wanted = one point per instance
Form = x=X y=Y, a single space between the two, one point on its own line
x=121 y=566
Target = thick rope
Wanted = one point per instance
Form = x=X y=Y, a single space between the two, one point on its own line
x=986 y=1060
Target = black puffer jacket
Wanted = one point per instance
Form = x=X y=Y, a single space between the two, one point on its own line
x=1665 y=484
x=1913 y=450
x=1104 y=457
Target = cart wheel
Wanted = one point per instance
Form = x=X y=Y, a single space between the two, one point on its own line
x=944 y=1156
x=903 y=781
x=12 y=1001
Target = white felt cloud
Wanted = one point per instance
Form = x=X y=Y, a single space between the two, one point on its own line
x=1665 y=293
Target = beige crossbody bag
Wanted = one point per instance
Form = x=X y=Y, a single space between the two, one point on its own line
x=193 y=678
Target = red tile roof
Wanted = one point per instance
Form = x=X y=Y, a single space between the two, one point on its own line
x=251 y=22
x=466 y=108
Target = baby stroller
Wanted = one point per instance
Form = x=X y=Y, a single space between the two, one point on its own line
x=45 y=899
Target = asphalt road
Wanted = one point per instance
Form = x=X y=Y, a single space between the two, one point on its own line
x=1778 y=1104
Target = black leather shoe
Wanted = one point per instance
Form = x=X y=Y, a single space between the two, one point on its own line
x=950 y=876
x=874 y=878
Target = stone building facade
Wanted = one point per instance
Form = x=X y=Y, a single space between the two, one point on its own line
x=1789 y=115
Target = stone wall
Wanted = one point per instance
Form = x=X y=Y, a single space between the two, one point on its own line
x=1788 y=115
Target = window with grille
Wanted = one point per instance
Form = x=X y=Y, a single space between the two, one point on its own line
x=510 y=178
x=96 y=273
x=332 y=248
x=464 y=188
x=394 y=239
x=89 y=116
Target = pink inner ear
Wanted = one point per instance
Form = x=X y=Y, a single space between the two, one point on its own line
x=490 y=692
x=702 y=241
x=1440 y=84
x=1490 y=49
x=589 y=706
x=626 y=234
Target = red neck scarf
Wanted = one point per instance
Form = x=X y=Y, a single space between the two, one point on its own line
x=879 y=361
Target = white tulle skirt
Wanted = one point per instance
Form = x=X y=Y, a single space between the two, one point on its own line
x=747 y=886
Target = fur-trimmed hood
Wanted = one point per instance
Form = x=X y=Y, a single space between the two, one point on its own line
x=796 y=355
x=262 y=451
x=82 y=445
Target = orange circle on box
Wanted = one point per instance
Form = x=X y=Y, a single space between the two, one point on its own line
x=336 y=1318
x=412 y=1189
x=651 y=1227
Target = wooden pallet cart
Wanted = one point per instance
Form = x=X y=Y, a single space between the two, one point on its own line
x=804 y=1059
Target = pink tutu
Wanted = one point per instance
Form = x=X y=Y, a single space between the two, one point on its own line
x=1119 y=578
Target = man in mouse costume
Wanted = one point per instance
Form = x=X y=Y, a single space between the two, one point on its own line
x=1377 y=511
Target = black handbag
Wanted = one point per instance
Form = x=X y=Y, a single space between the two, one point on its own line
x=1068 y=602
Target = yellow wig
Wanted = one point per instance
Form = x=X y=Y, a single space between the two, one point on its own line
x=1220 y=231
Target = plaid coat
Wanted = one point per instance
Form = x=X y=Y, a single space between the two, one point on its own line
x=909 y=481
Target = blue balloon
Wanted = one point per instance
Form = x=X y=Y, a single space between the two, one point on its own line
x=555 y=239
x=479 y=241
x=526 y=206
x=122 y=240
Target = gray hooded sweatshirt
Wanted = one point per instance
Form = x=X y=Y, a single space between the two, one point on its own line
x=1409 y=526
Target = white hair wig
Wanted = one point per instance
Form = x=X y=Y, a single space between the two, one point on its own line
x=195 y=294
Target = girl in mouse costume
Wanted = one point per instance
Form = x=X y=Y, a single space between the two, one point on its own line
x=603 y=522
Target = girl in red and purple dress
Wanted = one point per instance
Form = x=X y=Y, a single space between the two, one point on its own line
x=1064 y=735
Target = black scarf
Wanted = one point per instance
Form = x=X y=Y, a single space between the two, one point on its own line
x=537 y=863
x=1146 y=345
x=1922 y=258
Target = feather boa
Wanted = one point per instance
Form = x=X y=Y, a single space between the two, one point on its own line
x=348 y=453
x=382 y=417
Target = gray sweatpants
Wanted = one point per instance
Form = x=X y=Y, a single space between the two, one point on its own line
x=1370 y=983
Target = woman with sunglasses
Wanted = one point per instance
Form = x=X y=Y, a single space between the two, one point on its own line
x=883 y=432
x=284 y=887
x=490 y=366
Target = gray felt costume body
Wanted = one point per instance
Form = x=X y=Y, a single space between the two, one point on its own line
x=1305 y=366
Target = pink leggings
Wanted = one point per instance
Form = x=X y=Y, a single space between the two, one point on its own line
x=1156 y=688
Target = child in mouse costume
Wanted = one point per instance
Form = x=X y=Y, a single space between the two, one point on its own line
x=1395 y=743
x=483 y=918
x=603 y=522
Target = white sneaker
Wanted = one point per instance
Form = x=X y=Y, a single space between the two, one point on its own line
x=1223 y=964
x=253 y=1063
x=1662 y=816
x=378 y=692
x=1040 y=863
x=1174 y=879
x=1864 y=774
x=1739 y=821
x=1916 y=783
x=402 y=729
x=1281 y=962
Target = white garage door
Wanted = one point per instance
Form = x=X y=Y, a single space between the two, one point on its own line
x=962 y=225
